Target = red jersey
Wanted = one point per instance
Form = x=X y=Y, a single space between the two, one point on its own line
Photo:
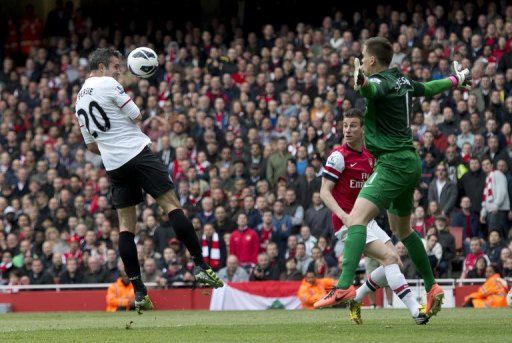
x=245 y=244
x=348 y=169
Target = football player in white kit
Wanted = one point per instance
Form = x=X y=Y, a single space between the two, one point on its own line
x=108 y=121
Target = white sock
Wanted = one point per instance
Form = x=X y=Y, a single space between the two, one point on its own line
x=376 y=280
x=396 y=281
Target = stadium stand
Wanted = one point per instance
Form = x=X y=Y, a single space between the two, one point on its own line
x=244 y=121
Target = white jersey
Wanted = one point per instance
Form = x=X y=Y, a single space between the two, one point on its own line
x=99 y=107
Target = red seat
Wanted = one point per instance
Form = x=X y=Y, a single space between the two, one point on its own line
x=457 y=232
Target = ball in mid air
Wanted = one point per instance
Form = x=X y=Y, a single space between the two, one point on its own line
x=142 y=62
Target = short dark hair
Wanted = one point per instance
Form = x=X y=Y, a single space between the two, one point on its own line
x=102 y=55
x=381 y=48
x=354 y=113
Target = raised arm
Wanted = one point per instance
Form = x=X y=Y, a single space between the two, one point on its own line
x=431 y=88
x=459 y=78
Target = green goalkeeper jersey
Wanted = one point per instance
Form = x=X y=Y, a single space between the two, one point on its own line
x=388 y=109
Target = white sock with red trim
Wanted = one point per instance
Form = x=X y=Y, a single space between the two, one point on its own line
x=396 y=281
x=376 y=280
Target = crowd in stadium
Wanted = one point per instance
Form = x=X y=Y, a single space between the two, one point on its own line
x=244 y=121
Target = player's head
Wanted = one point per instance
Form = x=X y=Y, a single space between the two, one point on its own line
x=353 y=126
x=106 y=62
x=377 y=55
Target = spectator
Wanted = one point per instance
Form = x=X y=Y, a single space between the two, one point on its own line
x=206 y=216
x=214 y=249
x=307 y=239
x=233 y=272
x=495 y=200
x=325 y=247
x=111 y=265
x=149 y=272
x=175 y=275
x=71 y=274
x=303 y=259
x=470 y=260
x=465 y=135
x=433 y=248
x=223 y=223
x=311 y=184
x=472 y=185
x=275 y=260
x=291 y=273
x=120 y=294
x=493 y=247
x=313 y=289
x=266 y=230
x=479 y=271
x=419 y=224
x=244 y=243
x=253 y=215
x=293 y=208
x=37 y=275
x=507 y=267
x=496 y=153
x=318 y=217
x=318 y=263
x=283 y=224
x=447 y=242
x=467 y=219
x=276 y=163
x=57 y=267
x=95 y=272
x=443 y=190
x=263 y=270
x=407 y=266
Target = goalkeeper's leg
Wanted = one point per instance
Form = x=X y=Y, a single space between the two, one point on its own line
x=364 y=210
x=402 y=228
x=387 y=256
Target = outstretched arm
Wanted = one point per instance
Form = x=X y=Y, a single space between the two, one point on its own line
x=431 y=88
x=459 y=78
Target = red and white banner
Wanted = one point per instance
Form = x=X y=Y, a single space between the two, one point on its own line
x=256 y=296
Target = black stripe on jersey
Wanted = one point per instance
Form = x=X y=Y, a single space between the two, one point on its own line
x=329 y=177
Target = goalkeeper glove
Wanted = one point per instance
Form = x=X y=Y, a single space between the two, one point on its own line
x=461 y=78
x=360 y=80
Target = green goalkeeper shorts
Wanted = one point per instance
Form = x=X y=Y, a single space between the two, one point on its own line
x=392 y=183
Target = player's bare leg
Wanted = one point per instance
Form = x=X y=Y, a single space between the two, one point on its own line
x=401 y=227
x=185 y=233
x=363 y=211
x=128 y=252
x=390 y=273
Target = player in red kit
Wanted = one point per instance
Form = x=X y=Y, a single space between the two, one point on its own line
x=345 y=172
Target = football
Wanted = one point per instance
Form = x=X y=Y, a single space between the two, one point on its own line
x=142 y=62
x=509 y=298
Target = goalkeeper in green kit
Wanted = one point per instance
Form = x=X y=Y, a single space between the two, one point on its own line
x=388 y=137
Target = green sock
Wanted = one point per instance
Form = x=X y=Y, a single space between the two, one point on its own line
x=418 y=255
x=354 y=246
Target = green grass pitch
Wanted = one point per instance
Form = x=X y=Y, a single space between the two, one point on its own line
x=451 y=325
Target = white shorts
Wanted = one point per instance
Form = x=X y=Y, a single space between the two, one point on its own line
x=373 y=233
